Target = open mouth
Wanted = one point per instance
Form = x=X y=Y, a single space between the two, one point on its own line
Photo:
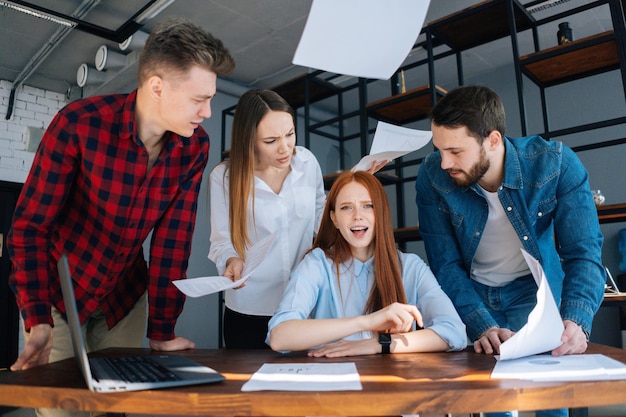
x=359 y=231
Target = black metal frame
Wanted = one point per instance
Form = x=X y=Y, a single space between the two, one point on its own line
x=118 y=35
x=9 y=323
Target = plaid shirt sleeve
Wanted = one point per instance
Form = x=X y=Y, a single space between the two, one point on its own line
x=170 y=249
x=43 y=195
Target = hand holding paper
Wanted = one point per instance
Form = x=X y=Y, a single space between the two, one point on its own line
x=391 y=142
x=197 y=287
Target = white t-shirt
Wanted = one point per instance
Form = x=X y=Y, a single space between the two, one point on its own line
x=293 y=216
x=498 y=259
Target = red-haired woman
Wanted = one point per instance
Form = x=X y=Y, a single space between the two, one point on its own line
x=354 y=293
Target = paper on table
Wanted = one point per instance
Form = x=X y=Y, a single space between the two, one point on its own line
x=391 y=142
x=361 y=38
x=543 y=331
x=561 y=368
x=341 y=376
x=197 y=287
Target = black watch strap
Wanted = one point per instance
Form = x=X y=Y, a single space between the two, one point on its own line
x=385 y=342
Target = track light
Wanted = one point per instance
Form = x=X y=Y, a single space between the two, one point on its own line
x=152 y=11
x=38 y=13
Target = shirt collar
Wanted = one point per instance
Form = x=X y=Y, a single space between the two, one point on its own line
x=128 y=129
x=297 y=167
x=358 y=267
x=512 y=166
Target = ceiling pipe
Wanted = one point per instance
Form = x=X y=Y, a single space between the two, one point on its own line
x=151 y=10
x=34 y=63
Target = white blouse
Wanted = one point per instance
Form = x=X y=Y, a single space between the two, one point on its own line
x=293 y=216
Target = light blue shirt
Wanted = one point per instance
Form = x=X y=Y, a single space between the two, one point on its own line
x=314 y=292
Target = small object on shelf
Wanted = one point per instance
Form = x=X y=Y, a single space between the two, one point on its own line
x=564 y=34
x=560 y=63
x=598 y=197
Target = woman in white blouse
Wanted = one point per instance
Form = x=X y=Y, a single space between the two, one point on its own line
x=267 y=186
x=355 y=293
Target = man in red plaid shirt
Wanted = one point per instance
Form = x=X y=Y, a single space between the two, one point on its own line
x=110 y=170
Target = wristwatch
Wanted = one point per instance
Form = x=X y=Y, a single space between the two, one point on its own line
x=385 y=341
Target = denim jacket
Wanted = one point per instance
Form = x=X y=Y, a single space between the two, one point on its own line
x=546 y=196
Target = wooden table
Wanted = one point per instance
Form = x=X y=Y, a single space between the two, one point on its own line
x=614 y=300
x=435 y=383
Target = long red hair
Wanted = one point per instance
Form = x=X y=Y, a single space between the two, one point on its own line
x=388 y=287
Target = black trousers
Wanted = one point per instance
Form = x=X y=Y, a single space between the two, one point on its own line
x=242 y=331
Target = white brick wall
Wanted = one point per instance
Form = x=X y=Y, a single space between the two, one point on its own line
x=33 y=108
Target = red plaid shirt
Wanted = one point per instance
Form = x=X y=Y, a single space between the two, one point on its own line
x=88 y=196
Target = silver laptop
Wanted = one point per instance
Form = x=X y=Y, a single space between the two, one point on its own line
x=129 y=373
x=610 y=287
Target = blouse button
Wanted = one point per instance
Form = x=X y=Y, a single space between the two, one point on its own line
x=525 y=238
x=539 y=214
x=509 y=208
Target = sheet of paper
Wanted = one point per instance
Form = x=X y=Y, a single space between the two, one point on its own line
x=543 y=331
x=197 y=287
x=562 y=368
x=361 y=38
x=341 y=376
x=391 y=142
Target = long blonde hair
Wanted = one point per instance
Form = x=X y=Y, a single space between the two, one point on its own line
x=251 y=108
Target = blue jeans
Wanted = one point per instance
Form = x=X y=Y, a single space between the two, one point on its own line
x=510 y=306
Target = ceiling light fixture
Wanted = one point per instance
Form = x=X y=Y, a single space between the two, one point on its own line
x=135 y=42
x=107 y=59
x=88 y=75
x=37 y=13
x=153 y=10
x=543 y=5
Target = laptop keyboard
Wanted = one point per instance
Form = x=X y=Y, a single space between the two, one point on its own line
x=140 y=369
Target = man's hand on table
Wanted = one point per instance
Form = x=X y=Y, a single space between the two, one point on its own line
x=573 y=338
x=489 y=342
x=178 y=343
x=37 y=350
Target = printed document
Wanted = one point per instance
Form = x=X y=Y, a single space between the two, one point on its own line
x=523 y=355
x=560 y=368
x=197 y=287
x=341 y=376
x=360 y=38
x=391 y=142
